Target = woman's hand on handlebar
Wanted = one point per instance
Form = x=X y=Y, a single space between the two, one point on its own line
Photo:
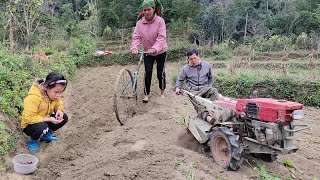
x=150 y=52
x=134 y=52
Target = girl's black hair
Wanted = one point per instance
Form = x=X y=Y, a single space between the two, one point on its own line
x=52 y=79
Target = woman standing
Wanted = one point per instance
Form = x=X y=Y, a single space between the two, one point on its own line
x=150 y=30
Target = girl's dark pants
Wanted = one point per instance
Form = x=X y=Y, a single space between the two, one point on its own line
x=36 y=130
x=148 y=64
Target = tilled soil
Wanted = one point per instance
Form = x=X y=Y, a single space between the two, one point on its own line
x=152 y=145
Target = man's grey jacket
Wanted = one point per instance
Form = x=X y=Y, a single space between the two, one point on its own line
x=196 y=77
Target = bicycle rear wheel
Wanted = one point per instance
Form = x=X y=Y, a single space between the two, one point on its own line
x=124 y=98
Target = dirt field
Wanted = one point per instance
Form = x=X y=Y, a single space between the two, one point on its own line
x=151 y=145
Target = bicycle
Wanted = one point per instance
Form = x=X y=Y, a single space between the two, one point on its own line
x=126 y=93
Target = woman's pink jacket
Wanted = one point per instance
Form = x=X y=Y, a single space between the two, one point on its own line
x=152 y=35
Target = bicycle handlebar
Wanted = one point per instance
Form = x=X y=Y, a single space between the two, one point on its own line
x=140 y=60
x=141 y=55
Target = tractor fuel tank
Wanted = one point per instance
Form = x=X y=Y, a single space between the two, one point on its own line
x=267 y=109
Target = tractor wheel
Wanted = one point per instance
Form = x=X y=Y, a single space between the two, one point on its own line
x=225 y=148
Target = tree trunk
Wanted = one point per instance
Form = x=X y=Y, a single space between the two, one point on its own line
x=212 y=39
x=11 y=34
x=222 y=30
x=245 y=30
x=28 y=25
x=52 y=11
x=74 y=3
x=318 y=44
x=28 y=41
x=10 y=28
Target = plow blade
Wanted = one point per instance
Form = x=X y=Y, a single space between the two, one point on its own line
x=199 y=128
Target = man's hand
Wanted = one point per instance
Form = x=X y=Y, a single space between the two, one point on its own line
x=178 y=91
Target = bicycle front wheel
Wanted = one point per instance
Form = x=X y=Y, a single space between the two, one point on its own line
x=124 y=99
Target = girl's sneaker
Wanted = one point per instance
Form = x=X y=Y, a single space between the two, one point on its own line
x=33 y=145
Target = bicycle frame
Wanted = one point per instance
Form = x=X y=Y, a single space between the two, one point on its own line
x=136 y=73
x=135 y=76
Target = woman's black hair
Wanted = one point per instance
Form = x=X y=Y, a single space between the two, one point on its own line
x=52 y=79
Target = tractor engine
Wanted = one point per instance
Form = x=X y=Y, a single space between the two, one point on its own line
x=269 y=122
x=265 y=133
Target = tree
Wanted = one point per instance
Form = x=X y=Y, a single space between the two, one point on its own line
x=306 y=22
x=306 y=5
x=210 y=20
x=6 y=21
x=89 y=13
x=27 y=15
x=241 y=18
x=227 y=19
x=68 y=19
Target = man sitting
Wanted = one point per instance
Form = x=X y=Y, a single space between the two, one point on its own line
x=199 y=79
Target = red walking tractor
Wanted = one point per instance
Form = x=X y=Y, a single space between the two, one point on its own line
x=261 y=126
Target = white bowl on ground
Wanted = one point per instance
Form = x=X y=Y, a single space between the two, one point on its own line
x=25 y=163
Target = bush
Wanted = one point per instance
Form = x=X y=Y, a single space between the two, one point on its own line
x=221 y=52
x=303 y=41
x=13 y=81
x=49 y=51
x=82 y=50
x=62 y=64
x=274 y=43
x=241 y=86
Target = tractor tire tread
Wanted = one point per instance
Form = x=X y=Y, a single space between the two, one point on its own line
x=236 y=149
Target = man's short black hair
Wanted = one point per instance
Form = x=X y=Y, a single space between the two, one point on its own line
x=190 y=52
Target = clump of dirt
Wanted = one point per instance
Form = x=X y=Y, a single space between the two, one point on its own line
x=152 y=145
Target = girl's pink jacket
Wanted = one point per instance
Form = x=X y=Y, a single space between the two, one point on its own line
x=151 y=34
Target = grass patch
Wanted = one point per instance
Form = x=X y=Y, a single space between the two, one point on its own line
x=288 y=163
x=219 y=177
x=191 y=173
x=181 y=121
x=2 y=168
x=178 y=162
x=265 y=174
